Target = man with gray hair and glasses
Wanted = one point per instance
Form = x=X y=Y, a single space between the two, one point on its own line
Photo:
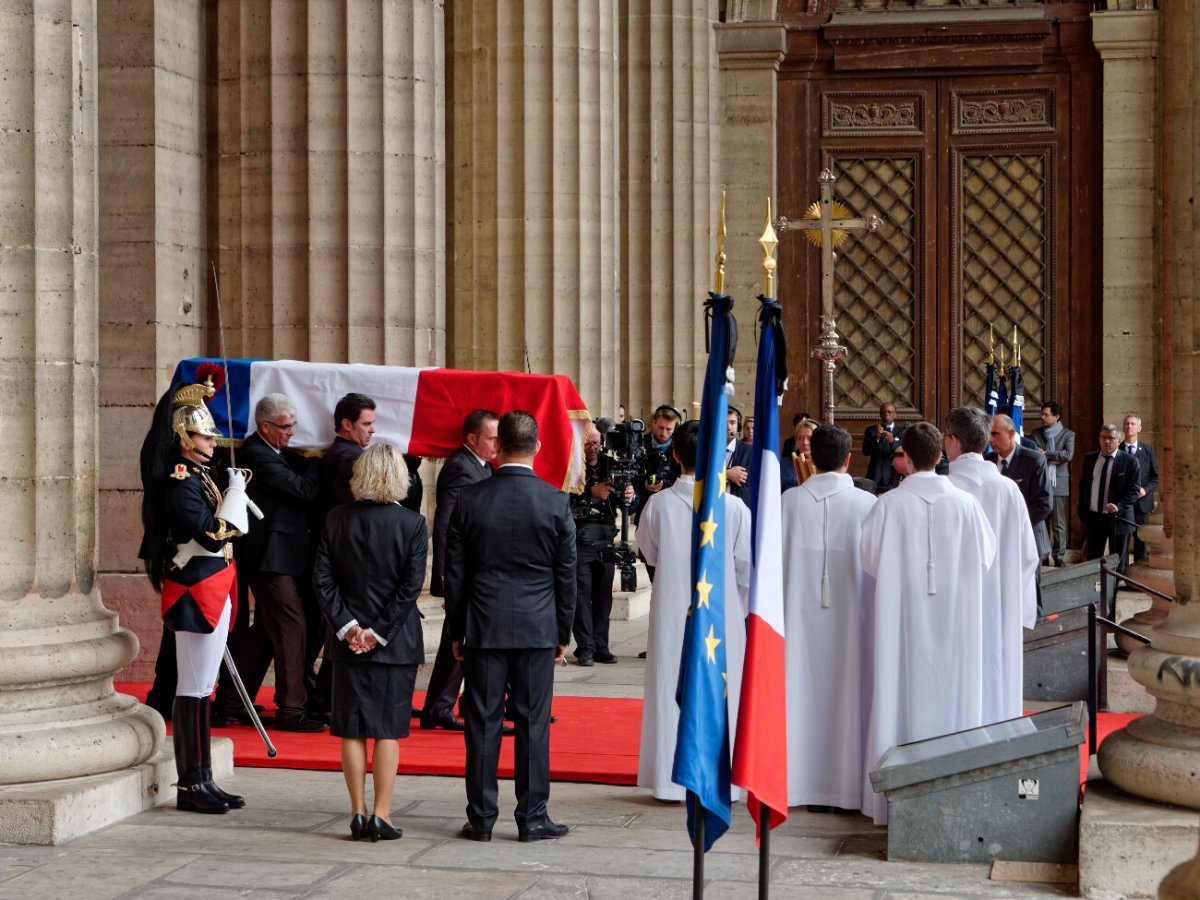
x=277 y=562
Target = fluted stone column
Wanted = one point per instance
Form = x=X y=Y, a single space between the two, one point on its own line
x=330 y=200
x=60 y=719
x=1158 y=757
x=670 y=198
x=535 y=250
x=750 y=52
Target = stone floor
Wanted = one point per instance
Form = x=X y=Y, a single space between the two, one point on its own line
x=291 y=841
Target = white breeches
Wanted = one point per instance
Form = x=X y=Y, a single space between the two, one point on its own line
x=199 y=657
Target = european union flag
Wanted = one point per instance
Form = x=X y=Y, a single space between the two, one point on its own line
x=702 y=749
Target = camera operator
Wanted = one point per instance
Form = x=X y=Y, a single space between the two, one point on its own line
x=595 y=512
x=660 y=469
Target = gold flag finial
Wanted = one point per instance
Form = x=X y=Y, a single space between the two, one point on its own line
x=719 y=275
x=769 y=241
x=991 y=347
x=1003 y=357
x=1016 y=348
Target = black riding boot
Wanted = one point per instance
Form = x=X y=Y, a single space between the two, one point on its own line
x=235 y=801
x=193 y=793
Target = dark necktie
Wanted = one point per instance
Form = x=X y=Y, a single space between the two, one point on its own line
x=1130 y=448
x=1003 y=466
x=1103 y=498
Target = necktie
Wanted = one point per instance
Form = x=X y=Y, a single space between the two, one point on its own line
x=1003 y=466
x=1129 y=448
x=1102 y=499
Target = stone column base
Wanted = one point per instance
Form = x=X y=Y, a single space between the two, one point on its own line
x=1155 y=756
x=53 y=812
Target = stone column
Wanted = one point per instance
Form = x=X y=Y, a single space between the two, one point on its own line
x=330 y=198
x=670 y=197
x=535 y=252
x=1128 y=43
x=1156 y=757
x=750 y=53
x=60 y=719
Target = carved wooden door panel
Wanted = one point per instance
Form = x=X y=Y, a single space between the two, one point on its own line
x=972 y=177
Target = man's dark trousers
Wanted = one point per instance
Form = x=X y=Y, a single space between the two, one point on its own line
x=528 y=677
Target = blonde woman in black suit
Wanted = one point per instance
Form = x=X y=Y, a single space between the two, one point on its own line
x=368 y=574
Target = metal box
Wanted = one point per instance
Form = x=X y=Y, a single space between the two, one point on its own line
x=1055 y=657
x=1004 y=791
x=1072 y=586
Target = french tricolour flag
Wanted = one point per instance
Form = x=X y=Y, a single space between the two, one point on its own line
x=419 y=410
x=760 y=753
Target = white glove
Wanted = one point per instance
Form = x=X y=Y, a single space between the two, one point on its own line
x=237 y=480
x=233 y=508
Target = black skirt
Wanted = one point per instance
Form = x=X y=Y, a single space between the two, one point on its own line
x=371 y=700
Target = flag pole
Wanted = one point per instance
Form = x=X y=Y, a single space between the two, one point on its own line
x=764 y=851
x=697 y=848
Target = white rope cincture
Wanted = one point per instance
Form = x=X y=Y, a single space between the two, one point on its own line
x=825 y=554
x=932 y=587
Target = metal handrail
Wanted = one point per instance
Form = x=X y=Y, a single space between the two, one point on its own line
x=1141 y=586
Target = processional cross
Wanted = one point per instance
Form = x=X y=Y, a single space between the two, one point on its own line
x=827 y=224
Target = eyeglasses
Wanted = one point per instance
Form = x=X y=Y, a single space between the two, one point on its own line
x=290 y=426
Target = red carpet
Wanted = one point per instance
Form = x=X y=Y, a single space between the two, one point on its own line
x=594 y=740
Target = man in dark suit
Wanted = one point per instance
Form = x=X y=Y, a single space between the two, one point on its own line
x=510 y=602
x=353 y=427
x=353 y=424
x=1028 y=469
x=879 y=443
x=738 y=455
x=277 y=556
x=465 y=466
x=1057 y=445
x=1108 y=490
x=1147 y=478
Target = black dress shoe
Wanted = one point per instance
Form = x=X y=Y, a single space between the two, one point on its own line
x=358 y=824
x=584 y=661
x=448 y=722
x=300 y=723
x=198 y=798
x=471 y=833
x=416 y=712
x=606 y=658
x=379 y=830
x=547 y=831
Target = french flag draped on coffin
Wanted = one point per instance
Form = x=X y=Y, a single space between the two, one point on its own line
x=419 y=410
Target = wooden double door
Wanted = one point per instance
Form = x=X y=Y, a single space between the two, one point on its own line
x=987 y=183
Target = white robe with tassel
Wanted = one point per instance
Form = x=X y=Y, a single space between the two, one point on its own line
x=1010 y=597
x=928 y=546
x=826 y=635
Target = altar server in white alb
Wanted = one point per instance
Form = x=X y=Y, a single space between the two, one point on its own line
x=665 y=540
x=1010 y=593
x=827 y=629
x=928 y=546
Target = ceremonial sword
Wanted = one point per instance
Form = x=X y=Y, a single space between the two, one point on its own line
x=247 y=700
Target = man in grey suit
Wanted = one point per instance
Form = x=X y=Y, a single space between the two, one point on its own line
x=1057 y=445
x=510 y=603
x=467 y=465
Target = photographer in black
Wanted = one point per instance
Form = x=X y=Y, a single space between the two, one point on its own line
x=595 y=512
x=660 y=468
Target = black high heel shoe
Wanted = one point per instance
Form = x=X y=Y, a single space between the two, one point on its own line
x=379 y=830
x=358 y=825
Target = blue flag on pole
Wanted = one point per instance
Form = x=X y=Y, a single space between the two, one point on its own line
x=702 y=749
x=1017 y=399
x=991 y=398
